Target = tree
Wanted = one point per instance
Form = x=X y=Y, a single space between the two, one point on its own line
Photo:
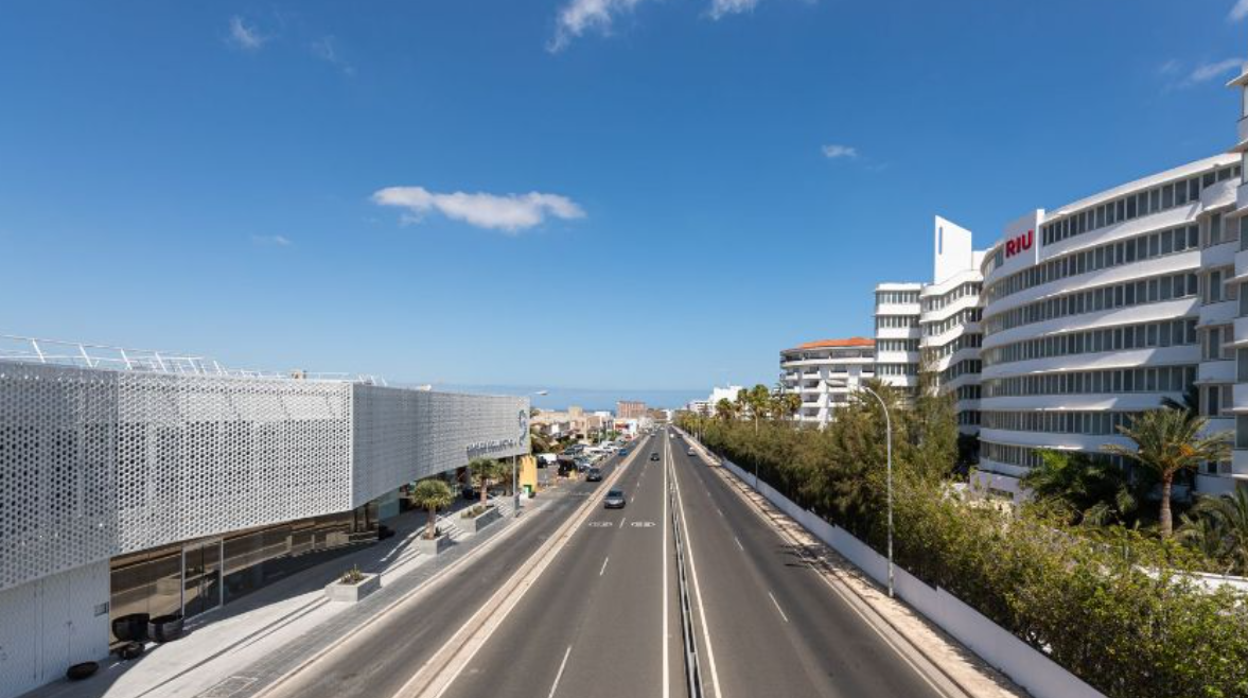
x=1167 y=442
x=725 y=410
x=432 y=494
x=784 y=404
x=485 y=470
x=757 y=400
x=1229 y=518
x=1189 y=402
x=1087 y=490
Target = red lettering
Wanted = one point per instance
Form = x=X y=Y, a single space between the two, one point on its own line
x=1020 y=243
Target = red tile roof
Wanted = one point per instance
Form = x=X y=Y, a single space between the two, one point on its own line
x=825 y=343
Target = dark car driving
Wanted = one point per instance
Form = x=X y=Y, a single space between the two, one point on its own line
x=593 y=475
x=654 y=456
x=614 y=500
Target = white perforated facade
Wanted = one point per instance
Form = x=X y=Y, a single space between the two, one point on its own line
x=99 y=463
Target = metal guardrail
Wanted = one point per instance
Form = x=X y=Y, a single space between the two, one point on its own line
x=693 y=671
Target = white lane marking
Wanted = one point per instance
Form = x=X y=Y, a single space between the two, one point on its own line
x=738 y=540
x=852 y=602
x=667 y=681
x=697 y=588
x=721 y=511
x=777 y=604
x=605 y=560
x=622 y=521
x=555 y=686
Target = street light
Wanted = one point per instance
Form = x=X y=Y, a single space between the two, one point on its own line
x=888 y=426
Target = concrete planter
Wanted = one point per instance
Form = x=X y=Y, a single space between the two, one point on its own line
x=432 y=547
x=351 y=593
x=482 y=520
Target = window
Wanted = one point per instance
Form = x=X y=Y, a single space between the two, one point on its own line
x=1241 y=365
x=1214 y=294
x=1215 y=229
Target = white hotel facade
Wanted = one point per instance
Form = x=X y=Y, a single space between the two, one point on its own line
x=1098 y=310
x=154 y=485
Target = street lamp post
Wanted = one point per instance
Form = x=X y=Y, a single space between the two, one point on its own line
x=888 y=426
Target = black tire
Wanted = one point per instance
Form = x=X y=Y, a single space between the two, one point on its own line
x=81 y=671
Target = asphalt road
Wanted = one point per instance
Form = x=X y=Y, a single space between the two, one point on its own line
x=377 y=662
x=775 y=627
x=766 y=623
x=603 y=619
x=593 y=624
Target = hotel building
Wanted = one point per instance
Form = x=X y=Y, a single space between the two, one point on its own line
x=824 y=373
x=155 y=485
x=897 y=335
x=1100 y=309
x=949 y=317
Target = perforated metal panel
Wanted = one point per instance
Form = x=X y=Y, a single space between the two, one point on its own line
x=198 y=456
x=95 y=463
x=57 y=484
x=404 y=435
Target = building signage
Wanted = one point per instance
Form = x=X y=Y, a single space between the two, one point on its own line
x=1019 y=244
x=492 y=446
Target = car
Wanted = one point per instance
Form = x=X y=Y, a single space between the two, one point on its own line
x=614 y=500
x=623 y=452
x=690 y=452
x=469 y=492
x=654 y=456
x=593 y=475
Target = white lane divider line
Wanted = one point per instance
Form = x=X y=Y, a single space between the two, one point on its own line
x=777 y=603
x=622 y=521
x=604 y=567
x=667 y=680
x=697 y=587
x=721 y=511
x=738 y=540
x=555 y=686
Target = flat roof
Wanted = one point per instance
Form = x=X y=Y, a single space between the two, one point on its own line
x=833 y=343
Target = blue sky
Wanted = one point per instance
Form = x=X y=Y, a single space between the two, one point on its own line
x=653 y=194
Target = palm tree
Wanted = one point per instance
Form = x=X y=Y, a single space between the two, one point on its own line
x=539 y=442
x=484 y=470
x=1229 y=516
x=757 y=400
x=432 y=494
x=1168 y=442
x=725 y=410
x=1188 y=402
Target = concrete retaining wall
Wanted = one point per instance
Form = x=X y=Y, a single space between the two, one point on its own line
x=1028 y=667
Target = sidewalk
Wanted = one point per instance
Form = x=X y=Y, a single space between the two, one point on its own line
x=240 y=648
x=971 y=673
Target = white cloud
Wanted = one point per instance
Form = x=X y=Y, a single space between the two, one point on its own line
x=720 y=8
x=1209 y=71
x=834 y=151
x=579 y=16
x=326 y=49
x=275 y=240
x=510 y=213
x=1239 y=11
x=244 y=36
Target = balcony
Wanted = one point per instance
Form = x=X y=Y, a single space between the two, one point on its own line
x=1219 y=313
x=1216 y=372
x=1219 y=194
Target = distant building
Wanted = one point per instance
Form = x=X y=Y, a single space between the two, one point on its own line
x=630 y=409
x=897 y=335
x=707 y=406
x=824 y=373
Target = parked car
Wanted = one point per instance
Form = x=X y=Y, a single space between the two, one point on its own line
x=469 y=492
x=593 y=475
x=623 y=452
x=614 y=500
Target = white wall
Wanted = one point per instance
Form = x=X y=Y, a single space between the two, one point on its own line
x=50 y=624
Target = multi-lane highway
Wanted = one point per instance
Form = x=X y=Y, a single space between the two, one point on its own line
x=603 y=618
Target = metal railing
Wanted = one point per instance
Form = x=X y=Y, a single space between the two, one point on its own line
x=693 y=671
x=105 y=357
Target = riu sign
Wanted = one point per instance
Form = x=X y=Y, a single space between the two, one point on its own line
x=1019 y=244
